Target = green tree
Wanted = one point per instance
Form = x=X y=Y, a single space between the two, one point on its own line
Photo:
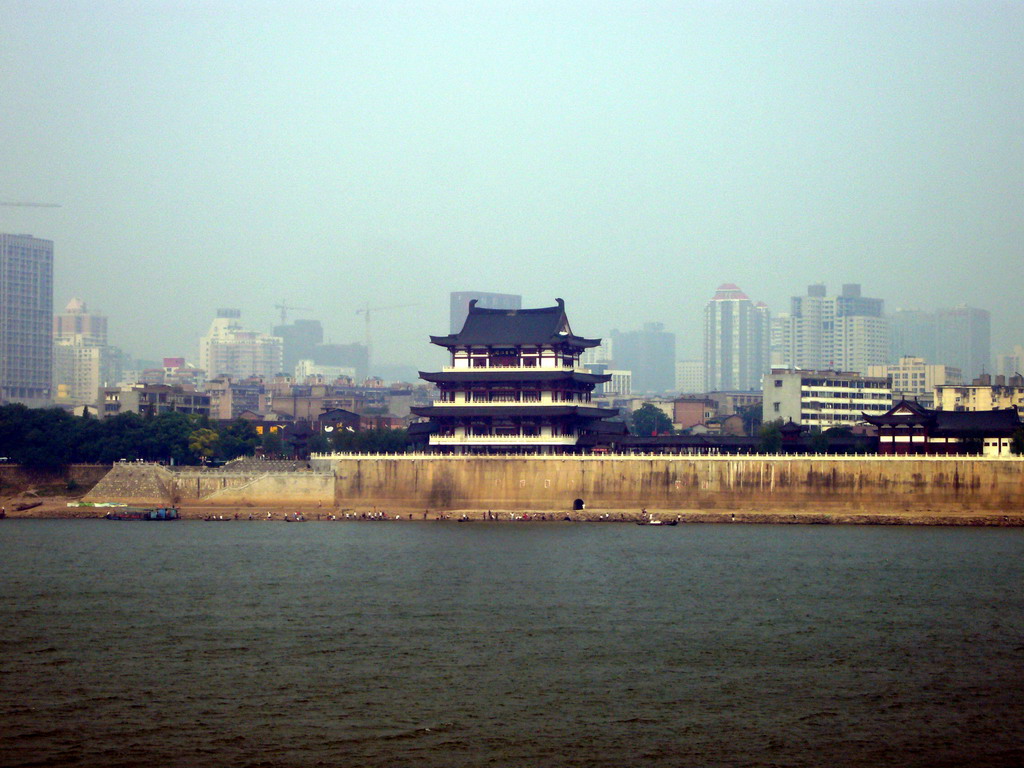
x=752 y=416
x=650 y=420
x=273 y=445
x=1017 y=442
x=819 y=442
x=319 y=443
x=371 y=441
x=238 y=438
x=203 y=442
x=771 y=437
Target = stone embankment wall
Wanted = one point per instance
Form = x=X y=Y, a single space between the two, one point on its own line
x=250 y=489
x=14 y=477
x=153 y=484
x=828 y=485
x=674 y=483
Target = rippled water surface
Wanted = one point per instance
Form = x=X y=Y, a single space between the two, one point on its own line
x=509 y=644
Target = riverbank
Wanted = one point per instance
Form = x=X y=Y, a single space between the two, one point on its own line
x=56 y=509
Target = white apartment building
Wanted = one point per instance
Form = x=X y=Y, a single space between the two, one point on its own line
x=737 y=338
x=690 y=377
x=845 y=332
x=982 y=395
x=82 y=361
x=914 y=379
x=824 y=398
x=230 y=350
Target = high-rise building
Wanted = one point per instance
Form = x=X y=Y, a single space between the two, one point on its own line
x=650 y=354
x=229 y=350
x=82 y=360
x=736 y=341
x=300 y=339
x=460 y=305
x=26 y=320
x=848 y=331
x=912 y=334
x=1011 y=364
x=963 y=340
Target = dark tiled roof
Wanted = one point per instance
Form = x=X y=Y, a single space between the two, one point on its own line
x=976 y=423
x=497 y=375
x=897 y=415
x=949 y=423
x=496 y=327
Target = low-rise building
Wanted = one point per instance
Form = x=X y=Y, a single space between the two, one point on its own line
x=910 y=428
x=914 y=379
x=689 y=412
x=982 y=395
x=229 y=398
x=824 y=398
x=151 y=399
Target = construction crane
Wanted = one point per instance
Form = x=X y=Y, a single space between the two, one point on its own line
x=366 y=312
x=16 y=204
x=283 y=308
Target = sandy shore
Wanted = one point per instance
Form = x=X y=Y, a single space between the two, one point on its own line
x=56 y=508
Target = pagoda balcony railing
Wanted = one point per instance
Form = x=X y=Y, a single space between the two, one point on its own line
x=524 y=401
x=558 y=367
x=503 y=439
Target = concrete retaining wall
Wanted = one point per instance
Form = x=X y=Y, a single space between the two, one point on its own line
x=832 y=484
x=245 y=489
x=720 y=483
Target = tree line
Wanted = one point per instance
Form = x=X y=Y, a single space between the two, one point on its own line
x=52 y=438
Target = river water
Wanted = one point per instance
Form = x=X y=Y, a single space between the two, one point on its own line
x=509 y=644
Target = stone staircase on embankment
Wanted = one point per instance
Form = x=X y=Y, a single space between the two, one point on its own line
x=134 y=483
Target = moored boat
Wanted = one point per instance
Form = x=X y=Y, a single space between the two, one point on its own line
x=157 y=513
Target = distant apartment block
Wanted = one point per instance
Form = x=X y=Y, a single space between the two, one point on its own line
x=848 y=331
x=983 y=394
x=299 y=341
x=230 y=398
x=82 y=360
x=459 y=305
x=963 y=339
x=26 y=320
x=824 y=398
x=230 y=350
x=306 y=368
x=690 y=377
x=650 y=354
x=1010 y=364
x=737 y=340
x=914 y=379
x=151 y=399
x=912 y=334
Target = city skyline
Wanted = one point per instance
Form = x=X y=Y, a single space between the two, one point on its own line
x=627 y=159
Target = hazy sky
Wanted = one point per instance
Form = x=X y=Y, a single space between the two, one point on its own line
x=628 y=157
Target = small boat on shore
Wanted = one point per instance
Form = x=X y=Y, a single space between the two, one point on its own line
x=657 y=522
x=158 y=513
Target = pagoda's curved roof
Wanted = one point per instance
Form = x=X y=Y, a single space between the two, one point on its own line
x=512 y=327
x=498 y=376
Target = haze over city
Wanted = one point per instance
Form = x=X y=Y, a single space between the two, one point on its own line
x=626 y=158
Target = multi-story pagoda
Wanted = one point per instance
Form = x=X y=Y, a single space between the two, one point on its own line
x=515 y=384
